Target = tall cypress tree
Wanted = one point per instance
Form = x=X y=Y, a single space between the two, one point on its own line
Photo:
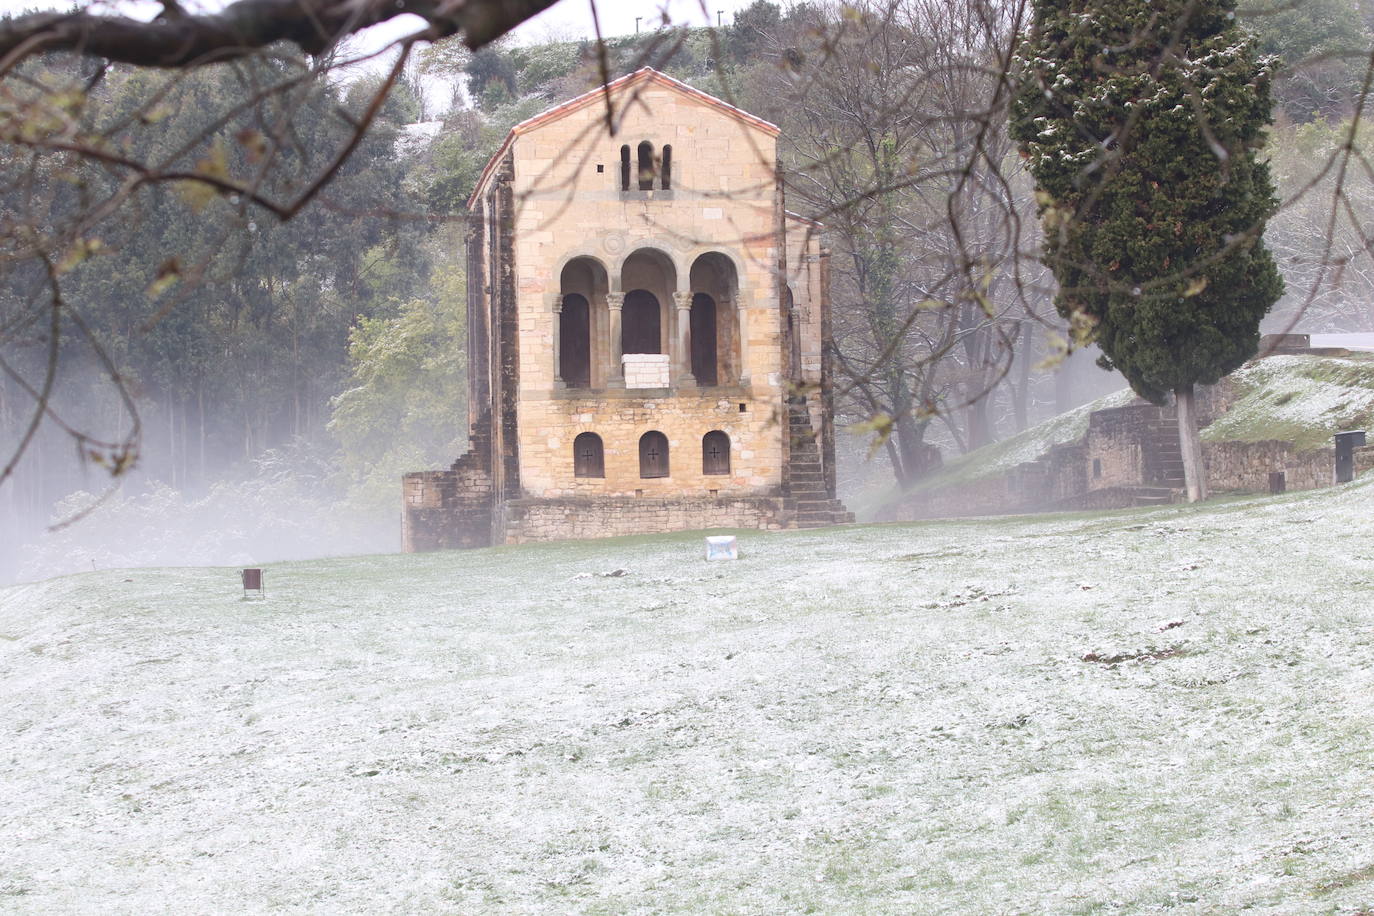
x=1140 y=120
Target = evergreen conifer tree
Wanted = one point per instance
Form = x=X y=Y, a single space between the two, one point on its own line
x=1141 y=120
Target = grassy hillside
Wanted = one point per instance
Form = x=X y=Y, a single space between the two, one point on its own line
x=1068 y=714
x=1024 y=446
x=1302 y=399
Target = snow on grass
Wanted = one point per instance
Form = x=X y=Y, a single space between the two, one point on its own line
x=1125 y=712
x=1302 y=399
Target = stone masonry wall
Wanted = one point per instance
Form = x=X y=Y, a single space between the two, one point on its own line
x=446 y=509
x=1245 y=466
x=620 y=418
x=543 y=520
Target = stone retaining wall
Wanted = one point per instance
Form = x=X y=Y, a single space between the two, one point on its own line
x=1246 y=466
x=528 y=520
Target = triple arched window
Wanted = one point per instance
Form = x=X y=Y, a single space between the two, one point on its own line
x=646 y=168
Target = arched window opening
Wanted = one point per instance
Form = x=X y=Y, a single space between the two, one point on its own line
x=640 y=327
x=667 y=168
x=715 y=453
x=718 y=346
x=794 y=364
x=704 y=339
x=646 y=166
x=625 y=167
x=589 y=458
x=653 y=454
x=575 y=342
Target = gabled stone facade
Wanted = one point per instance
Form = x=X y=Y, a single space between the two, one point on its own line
x=646 y=332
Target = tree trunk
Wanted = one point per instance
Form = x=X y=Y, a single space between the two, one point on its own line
x=1020 y=396
x=977 y=421
x=1190 y=444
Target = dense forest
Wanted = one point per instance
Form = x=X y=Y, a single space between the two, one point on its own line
x=286 y=373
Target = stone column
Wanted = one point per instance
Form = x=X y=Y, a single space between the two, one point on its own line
x=558 y=341
x=682 y=340
x=616 y=377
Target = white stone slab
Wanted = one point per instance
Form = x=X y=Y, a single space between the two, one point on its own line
x=645 y=370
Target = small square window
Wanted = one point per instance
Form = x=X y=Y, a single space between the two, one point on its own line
x=600 y=168
x=742 y=408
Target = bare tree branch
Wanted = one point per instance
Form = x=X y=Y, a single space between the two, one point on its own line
x=177 y=40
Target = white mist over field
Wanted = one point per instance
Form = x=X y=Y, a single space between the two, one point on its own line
x=234 y=524
x=278 y=509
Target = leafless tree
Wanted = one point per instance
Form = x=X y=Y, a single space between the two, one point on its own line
x=894 y=121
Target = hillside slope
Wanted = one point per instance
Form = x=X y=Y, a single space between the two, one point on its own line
x=1051 y=714
x=1303 y=399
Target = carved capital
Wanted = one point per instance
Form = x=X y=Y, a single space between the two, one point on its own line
x=682 y=300
x=615 y=301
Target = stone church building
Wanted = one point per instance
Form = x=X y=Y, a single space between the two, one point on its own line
x=646 y=328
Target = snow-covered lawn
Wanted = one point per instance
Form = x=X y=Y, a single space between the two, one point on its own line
x=1131 y=712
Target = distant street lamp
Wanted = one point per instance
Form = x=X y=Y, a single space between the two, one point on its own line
x=637 y=18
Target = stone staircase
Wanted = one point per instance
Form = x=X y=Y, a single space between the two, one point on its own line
x=1163 y=453
x=807 y=490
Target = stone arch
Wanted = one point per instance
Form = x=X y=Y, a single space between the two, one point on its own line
x=653 y=454
x=581 y=305
x=661 y=249
x=575 y=341
x=717 y=341
x=589 y=456
x=651 y=271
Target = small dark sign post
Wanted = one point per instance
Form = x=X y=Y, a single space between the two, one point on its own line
x=252 y=581
x=1346 y=443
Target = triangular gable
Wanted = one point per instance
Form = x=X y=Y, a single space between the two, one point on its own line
x=598 y=95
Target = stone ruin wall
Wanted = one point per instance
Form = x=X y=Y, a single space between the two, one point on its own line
x=1130 y=444
x=446 y=509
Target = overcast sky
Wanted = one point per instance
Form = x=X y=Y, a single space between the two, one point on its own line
x=573 y=18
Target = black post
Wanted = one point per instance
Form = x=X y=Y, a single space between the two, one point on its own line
x=1346 y=443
